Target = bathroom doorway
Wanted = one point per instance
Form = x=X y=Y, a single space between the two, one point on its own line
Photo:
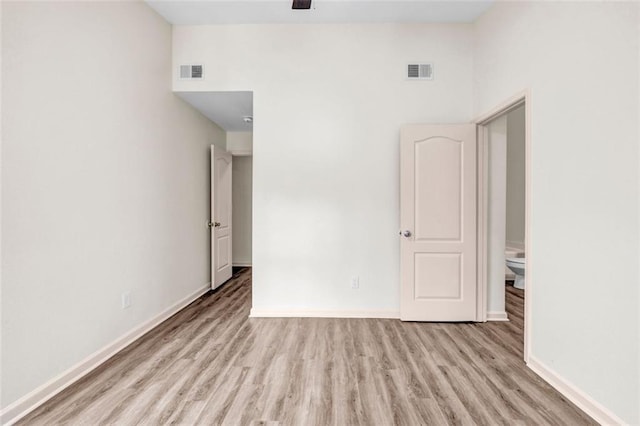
x=503 y=206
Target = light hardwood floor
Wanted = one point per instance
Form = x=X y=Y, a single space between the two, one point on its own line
x=211 y=364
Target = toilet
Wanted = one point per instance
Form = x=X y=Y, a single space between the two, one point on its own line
x=516 y=264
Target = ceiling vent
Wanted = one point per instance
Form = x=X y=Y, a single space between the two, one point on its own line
x=301 y=4
x=191 y=72
x=420 y=71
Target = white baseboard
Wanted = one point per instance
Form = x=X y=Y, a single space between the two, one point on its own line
x=586 y=403
x=259 y=313
x=497 y=316
x=242 y=264
x=23 y=406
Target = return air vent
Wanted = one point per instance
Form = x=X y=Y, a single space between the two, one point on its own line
x=420 y=71
x=191 y=72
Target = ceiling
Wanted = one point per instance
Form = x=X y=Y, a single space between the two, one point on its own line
x=226 y=109
x=211 y=12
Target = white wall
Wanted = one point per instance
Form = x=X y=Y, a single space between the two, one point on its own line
x=104 y=181
x=1 y=185
x=638 y=122
x=515 y=178
x=496 y=217
x=584 y=171
x=329 y=101
x=242 y=194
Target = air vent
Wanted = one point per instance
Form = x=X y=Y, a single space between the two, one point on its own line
x=191 y=72
x=420 y=71
x=301 y=4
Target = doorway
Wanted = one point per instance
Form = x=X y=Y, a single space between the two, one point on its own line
x=231 y=239
x=242 y=208
x=504 y=147
x=231 y=207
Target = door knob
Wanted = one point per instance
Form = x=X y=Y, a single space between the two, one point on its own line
x=406 y=233
x=213 y=224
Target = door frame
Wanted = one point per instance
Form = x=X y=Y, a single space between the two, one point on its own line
x=482 y=122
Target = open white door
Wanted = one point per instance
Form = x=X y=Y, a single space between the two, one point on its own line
x=438 y=220
x=220 y=224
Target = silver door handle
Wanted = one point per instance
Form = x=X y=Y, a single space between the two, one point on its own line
x=213 y=224
x=406 y=233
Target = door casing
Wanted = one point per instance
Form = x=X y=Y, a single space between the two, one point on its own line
x=482 y=122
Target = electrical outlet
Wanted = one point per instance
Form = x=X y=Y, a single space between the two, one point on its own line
x=355 y=282
x=126 y=300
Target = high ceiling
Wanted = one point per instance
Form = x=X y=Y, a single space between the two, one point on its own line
x=211 y=12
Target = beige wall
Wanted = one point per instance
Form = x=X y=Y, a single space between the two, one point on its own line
x=240 y=142
x=104 y=181
x=584 y=182
x=242 y=176
x=515 y=178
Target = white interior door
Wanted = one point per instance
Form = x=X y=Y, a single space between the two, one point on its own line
x=221 y=226
x=438 y=219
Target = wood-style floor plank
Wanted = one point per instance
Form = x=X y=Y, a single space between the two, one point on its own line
x=211 y=364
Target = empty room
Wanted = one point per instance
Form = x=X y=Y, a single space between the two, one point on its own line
x=319 y=212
